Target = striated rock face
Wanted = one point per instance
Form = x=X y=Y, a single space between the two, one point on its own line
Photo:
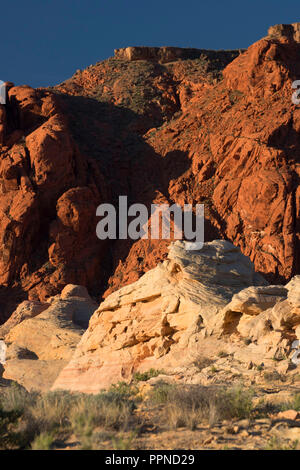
x=170 y=127
x=41 y=337
x=155 y=321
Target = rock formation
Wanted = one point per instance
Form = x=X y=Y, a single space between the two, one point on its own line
x=185 y=131
x=267 y=317
x=291 y=31
x=158 y=320
x=41 y=337
x=164 y=55
x=248 y=305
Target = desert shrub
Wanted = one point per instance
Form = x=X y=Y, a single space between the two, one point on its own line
x=14 y=401
x=51 y=411
x=183 y=407
x=36 y=420
x=109 y=410
x=43 y=441
x=275 y=443
x=266 y=408
x=144 y=376
x=222 y=354
x=32 y=420
x=247 y=341
x=161 y=393
x=203 y=362
x=234 y=96
x=296 y=402
x=273 y=376
x=122 y=390
x=123 y=442
x=188 y=407
x=292 y=404
x=235 y=402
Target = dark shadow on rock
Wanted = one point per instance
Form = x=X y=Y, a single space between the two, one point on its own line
x=10 y=298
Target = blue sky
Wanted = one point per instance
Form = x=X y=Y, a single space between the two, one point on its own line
x=46 y=41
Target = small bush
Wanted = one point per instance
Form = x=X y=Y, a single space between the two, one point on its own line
x=222 y=354
x=109 y=410
x=122 y=389
x=43 y=441
x=191 y=407
x=296 y=402
x=235 y=402
x=273 y=376
x=278 y=444
x=161 y=393
x=203 y=362
x=144 y=376
x=16 y=399
x=14 y=432
x=247 y=341
x=263 y=409
x=293 y=404
x=123 y=443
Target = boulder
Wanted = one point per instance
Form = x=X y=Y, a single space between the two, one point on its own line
x=256 y=299
x=268 y=315
x=293 y=288
x=27 y=309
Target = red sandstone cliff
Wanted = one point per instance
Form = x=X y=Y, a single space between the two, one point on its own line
x=179 y=131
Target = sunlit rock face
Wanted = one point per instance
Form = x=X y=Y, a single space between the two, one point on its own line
x=157 y=321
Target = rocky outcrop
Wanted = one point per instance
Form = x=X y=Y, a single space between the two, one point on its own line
x=156 y=132
x=171 y=54
x=27 y=309
x=290 y=31
x=41 y=217
x=156 y=321
x=41 y=337
x=268 y=318
x=193 y=305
